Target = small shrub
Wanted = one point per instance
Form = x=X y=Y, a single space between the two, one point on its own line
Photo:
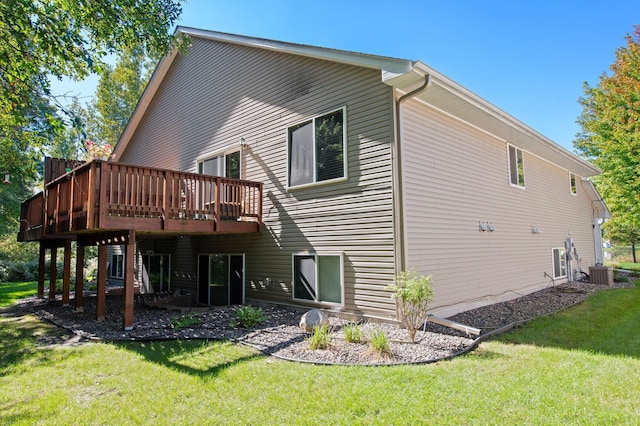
x=248 y=317
x=380 y=342
x=185 y=321
x=22 y=271
x=353 y=333
x=621 y=279
x=321 y=337
x=413 y=293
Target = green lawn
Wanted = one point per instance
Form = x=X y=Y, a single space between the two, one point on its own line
x=10 y=292
x=629 y=266
x=581 y=366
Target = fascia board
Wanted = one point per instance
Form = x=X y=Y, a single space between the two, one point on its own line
x=387 y=64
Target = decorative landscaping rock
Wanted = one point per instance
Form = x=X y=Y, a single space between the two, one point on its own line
x=312 y=318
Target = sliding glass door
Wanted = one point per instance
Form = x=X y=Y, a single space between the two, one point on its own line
x=220 y=279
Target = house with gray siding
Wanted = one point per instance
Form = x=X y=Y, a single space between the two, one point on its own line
x=368 y=166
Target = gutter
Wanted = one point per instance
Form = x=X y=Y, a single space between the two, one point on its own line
x=398 y=188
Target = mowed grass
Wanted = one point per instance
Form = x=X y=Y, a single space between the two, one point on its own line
x=629 y=266
x=581 y=366
x=10 y=292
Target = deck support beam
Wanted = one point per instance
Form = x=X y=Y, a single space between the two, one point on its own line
x=101 y=296
x=66 y=274
x=41 y=272
x=53 y=272
x=79 y=290
x=129 y=257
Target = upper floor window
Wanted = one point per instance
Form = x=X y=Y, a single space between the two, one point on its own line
x=572 y=183
x=317 y=149
x=226 y=165
x=516 y=166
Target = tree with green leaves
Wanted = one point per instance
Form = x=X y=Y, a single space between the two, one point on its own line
x=610 y=139
x=103 y=119
x=413 y=292
x=45 y=39
x=119 y=89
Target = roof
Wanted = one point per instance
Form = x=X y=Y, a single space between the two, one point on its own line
x=402 y=74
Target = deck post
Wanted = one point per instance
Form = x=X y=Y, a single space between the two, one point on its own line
x=41 y=259
x=53 y=272
x=79 y=302
x=101 y=301
x=129 y=257
x=66 y=274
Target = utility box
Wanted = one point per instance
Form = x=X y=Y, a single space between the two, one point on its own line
x=601 y=275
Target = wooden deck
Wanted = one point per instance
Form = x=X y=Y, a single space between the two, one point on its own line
x=102 y=196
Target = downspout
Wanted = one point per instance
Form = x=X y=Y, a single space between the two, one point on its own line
x=398 y=189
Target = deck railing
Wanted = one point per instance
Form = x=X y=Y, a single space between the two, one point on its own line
x=105 y=195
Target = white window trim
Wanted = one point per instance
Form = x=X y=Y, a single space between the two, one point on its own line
x=553 y=262
x=345 y=161
x=524 y=172
x=574 y=177
x=316 y=254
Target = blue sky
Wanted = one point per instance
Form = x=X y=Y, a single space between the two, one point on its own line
x=528 y=58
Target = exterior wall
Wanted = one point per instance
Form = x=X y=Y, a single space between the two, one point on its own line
x=456 y=176
x=219 y=93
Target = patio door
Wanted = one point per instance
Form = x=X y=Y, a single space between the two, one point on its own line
x=220 y=279
x=227 y=165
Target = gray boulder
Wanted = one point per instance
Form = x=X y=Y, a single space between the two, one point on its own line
x=312 y=318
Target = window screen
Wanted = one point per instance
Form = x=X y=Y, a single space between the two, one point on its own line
x=301 y=154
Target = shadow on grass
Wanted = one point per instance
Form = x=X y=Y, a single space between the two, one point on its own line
x=607 y=322
x=23 y=338
x=202 y=358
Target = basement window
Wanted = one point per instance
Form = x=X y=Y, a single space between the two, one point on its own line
x=318 y=278
x=559 y=263
x=516 y=166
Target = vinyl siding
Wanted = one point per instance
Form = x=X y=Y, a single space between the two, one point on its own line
x=456 y=176
x=217 y=94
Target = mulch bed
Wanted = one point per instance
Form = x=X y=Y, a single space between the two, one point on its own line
x=158 y=317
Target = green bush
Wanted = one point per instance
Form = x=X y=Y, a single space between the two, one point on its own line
x=413 y=293
x=321 y=337
x=353 y=333
x=185 y=321
x=380 y=342
x=11 y=271
x=248 y=317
